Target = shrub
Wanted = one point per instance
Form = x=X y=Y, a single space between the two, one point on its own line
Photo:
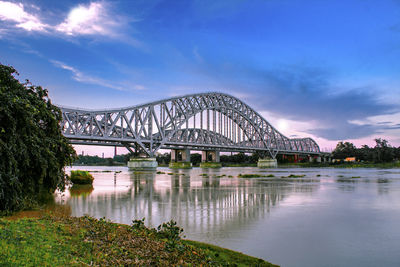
x=81 y=177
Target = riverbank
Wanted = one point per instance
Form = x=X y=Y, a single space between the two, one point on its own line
x=59 y=240
x=341 y=165
x=299 y=165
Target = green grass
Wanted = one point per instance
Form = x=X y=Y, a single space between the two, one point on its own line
x=229 y=164
x=81 y=177
x=343 y=165
x=79 y=241
x=180 y=165
x=210 y=165
x=224 y=257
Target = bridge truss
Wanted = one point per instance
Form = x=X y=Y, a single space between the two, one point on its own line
x=207 y=121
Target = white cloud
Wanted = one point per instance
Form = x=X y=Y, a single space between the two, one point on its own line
x=93 y=19
x=16 y=13
x=84 y=78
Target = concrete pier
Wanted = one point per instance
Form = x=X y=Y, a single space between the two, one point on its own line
x=267 y=163
x=142 y=164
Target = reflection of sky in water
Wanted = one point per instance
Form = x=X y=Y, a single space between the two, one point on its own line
x=335 y=217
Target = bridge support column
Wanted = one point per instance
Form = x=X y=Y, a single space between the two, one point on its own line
x=180 y=159
x=319 y=159
x=142 y=164
x=210 y=159
x=267 y=163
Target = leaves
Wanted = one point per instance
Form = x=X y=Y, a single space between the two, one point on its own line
x=33 y=151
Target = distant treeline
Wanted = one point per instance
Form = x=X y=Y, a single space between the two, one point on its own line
x=381 y=152
x=164 y=159
x=96 y=160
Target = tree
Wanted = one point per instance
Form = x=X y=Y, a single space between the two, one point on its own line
x=344 y=150
x=33 y=151
x=383 y=151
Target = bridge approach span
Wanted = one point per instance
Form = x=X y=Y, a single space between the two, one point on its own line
x=206 y=121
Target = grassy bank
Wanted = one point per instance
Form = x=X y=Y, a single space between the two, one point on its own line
x=342 y=165
x=78 y=241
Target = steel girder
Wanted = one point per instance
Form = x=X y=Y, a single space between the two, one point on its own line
x=203 y=121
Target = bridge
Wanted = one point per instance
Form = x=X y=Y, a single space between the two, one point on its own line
x=206 y=121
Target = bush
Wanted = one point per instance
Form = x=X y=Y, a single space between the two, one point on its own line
x=81 y=177
x=33 y=151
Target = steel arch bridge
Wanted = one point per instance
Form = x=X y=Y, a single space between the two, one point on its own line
x=205 y=121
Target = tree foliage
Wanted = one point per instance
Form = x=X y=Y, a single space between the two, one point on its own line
x=381 y=152
x=33 y=151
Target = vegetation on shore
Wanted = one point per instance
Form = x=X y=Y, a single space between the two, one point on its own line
x=395 y=164
x=63 y=241
x=33 y=151
x=81 y=177
x=382 y=155
x=382 y=152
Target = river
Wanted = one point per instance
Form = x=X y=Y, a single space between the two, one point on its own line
x=326 y=217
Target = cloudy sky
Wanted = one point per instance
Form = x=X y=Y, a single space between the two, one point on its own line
x=326 y=69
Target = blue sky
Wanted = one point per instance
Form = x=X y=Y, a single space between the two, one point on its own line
x=325 y=69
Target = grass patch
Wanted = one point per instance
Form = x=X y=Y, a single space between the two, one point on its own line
x=70 y=241
x=180 y=165
x=81 y=177
x=212 y=165
x=254 y=175
x=296 y=176
x=383 y=165
x=226 y=257
x=228 y=164
x=249 y=175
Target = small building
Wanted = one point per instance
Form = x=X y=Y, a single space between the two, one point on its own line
x=350 y=159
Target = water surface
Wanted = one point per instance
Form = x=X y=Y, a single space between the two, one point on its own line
x=328 y=217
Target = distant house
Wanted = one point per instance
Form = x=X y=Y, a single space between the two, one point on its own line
x=350 y=159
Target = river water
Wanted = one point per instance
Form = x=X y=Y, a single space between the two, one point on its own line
x=327 y=217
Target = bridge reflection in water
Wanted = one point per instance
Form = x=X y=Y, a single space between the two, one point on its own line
x=204 y=204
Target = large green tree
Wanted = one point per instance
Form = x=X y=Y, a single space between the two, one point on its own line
x=344 y=150
x=33 y=152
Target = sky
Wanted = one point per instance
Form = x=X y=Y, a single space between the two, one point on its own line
x=324 y=69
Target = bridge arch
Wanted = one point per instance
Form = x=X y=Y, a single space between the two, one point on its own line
x=157 y=125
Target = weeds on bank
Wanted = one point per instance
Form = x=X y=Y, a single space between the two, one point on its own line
x=88 y=241
x=78 y=241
